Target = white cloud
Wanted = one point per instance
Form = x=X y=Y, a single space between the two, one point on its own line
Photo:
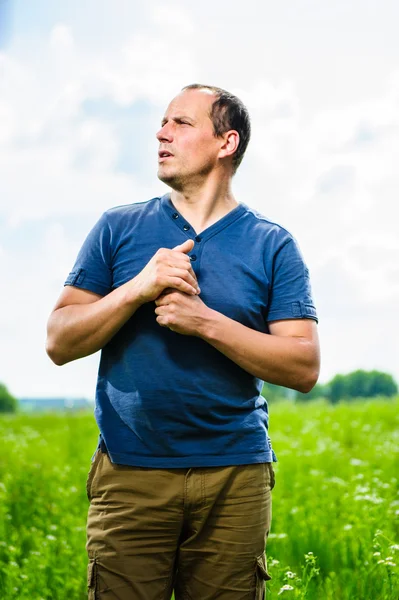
x=61 y=38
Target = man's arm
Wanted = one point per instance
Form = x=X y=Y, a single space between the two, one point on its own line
x=83 y=322
x=288 y=356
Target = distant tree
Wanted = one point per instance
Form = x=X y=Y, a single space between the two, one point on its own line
x=382 y=384
x=338 y=388
x=8 y=404
x=361 y=384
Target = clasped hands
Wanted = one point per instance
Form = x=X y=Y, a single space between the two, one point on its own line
x=181 y=312
x=179 y=307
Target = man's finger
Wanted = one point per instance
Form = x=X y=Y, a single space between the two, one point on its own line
x=165 y=293
x=187 y=246
x=161 y=300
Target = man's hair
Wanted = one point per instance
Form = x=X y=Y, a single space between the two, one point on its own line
x=228 y=112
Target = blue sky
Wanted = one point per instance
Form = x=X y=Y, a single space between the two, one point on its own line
x=83 y=86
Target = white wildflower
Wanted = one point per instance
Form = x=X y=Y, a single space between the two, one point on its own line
x=315 y=472
x=356 y=462
x=337 y=480
x=362 y=489
x=285 y=588
x=369 y=498
x=290 y=575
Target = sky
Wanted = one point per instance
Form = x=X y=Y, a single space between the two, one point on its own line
x=83 y=88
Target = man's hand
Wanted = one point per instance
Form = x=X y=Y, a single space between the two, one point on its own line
x=181 y=313
x=167 y=269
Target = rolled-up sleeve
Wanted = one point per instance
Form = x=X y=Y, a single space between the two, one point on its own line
x=290 y=292
x=93 y=270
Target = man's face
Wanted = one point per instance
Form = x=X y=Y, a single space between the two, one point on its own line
x=188 y=148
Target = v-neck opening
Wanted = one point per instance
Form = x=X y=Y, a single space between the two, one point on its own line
x=182 y=223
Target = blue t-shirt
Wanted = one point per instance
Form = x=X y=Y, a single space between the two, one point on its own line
x=166 y=400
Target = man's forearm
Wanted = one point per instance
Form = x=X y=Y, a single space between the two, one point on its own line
x=288 y=361
x=78 y=330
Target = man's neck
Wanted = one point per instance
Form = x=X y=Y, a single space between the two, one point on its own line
x=204 y=206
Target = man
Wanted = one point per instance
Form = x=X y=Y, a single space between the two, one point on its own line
x=195 y=300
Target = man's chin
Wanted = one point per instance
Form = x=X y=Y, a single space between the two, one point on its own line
x=170 y=180
x=162 y=176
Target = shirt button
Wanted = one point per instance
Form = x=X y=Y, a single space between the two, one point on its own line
x=193 y=257
x=198 y=238
x=186 y=227
x=175 y=216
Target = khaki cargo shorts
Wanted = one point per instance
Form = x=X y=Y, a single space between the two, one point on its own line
x=200 y=532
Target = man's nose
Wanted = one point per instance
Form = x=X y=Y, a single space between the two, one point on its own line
x=164 y=134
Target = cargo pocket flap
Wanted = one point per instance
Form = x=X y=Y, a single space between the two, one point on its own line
x=262 y=567
x=91 y=573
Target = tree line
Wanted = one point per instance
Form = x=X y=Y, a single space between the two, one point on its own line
x=357 y=384
x=8 y=403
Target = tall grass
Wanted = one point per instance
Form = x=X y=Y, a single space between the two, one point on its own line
x=335 y=529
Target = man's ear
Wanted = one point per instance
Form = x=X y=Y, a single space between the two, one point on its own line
x=230 y=144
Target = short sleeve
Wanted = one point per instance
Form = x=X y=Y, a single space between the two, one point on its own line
x=92 y=269
x=290 y=294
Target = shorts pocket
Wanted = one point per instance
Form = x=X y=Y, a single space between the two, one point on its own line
x=272 y=476
x=261 y=576
x=92 y=472
x=92 y=579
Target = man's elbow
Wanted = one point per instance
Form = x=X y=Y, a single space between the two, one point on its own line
x=54 y=354
x=310 y=369
x=308 y=381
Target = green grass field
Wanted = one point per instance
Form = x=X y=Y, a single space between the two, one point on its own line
x=335 y=530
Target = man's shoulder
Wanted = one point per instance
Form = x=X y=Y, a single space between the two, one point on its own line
x=130 y=210
x=268 y=227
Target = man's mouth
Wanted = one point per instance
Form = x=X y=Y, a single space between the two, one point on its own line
x=163 y=154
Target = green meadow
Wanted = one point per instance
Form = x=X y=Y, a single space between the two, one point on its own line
x=335 y=529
